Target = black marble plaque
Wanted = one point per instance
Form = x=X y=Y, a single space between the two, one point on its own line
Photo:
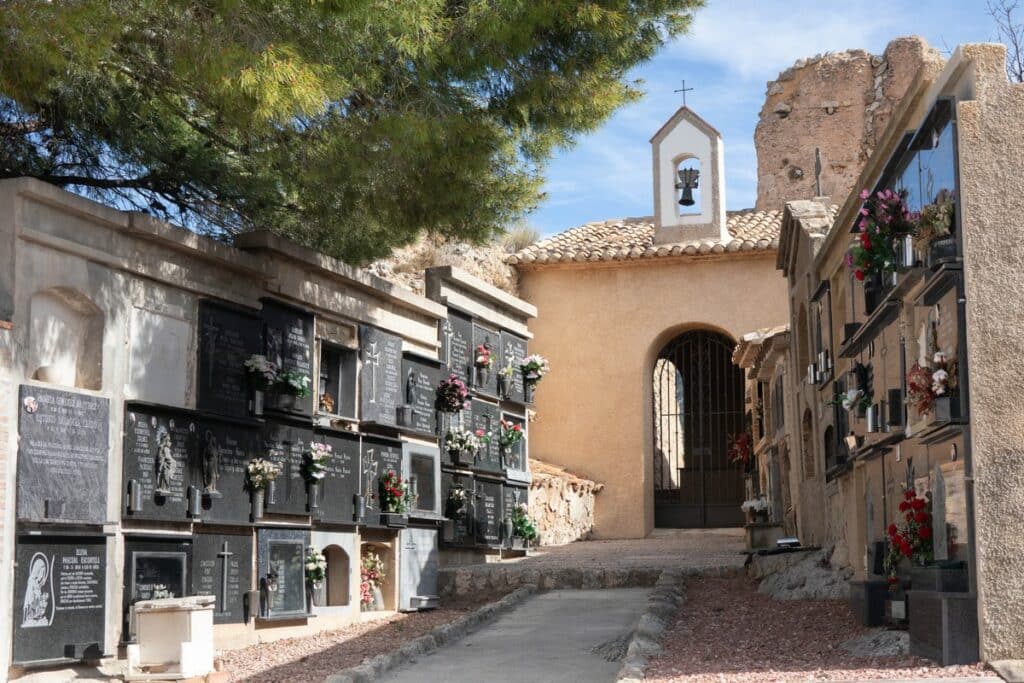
x=222 y=567
x=158 y=444
x=288 y=342
x=513 y=351
x=287 y=444
x=487 y=379
x=281 y=563
x=226 y=448
x=457 y=345
x=339 y=487
x=485 y=417
x=513 y=496
x=227 y=337
x=154 y=568
x=488 y=513
x=62 y=456
x=378 y=457
x=420 y=378
x=59 y=598
x=459 y=531
x=381 y=382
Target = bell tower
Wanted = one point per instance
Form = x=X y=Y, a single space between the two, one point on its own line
x=689 y=180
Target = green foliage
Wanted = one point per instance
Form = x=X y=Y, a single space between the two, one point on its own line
x=351 y=126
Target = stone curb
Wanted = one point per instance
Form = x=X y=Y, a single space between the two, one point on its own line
x=662 y=603
x=373 y=668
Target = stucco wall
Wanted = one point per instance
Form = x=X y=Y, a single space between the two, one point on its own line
x=992 y=185
x=601 y=327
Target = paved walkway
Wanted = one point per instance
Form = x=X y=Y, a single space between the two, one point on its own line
x=663 y=549
x=550 y=638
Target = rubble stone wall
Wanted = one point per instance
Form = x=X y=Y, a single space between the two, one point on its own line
x=561 y=505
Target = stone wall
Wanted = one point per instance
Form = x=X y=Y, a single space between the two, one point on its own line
x=840 y=103
x=561 y=504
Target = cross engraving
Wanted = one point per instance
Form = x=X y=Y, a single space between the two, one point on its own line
x=371 y=478
x=372 y=357
x=225 y=555
x=446 y=330
x=683 y=90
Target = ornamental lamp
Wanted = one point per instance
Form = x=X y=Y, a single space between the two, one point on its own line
x=687 y=183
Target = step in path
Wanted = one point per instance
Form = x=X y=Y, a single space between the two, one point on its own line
x=560 y=636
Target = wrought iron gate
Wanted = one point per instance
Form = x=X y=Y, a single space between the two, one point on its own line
x=698 y=403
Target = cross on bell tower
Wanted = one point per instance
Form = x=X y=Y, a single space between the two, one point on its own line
x=684 y=90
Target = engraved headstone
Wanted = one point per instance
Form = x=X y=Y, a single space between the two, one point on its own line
x=488 y=513
x=59 y=598
x=513 y=351
x=421 y=377
x=377 y=458
x=62 y=456
x=157 y=461
x=459 y=493
x=457 y=345
x=341 y=483
x=227 y=337
x=514 y=496
x=940 y=539
x=382 y=386
x=281 y=570
x=222 y=566
x=487 y=378
x=485 y=418
x=236 y=444
x=287 y=444
x=418 y=578
x=288 y=342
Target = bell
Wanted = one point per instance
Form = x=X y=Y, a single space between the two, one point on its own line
x=687 y=183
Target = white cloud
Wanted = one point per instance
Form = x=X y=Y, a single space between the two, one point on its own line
x=755 y=39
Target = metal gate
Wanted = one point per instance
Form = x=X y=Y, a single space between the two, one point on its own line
x=698 y=403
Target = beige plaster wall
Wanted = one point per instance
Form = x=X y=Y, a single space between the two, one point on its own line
x=992 y=185
x=601 y=326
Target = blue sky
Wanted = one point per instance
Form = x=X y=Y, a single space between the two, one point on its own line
x=735 y=47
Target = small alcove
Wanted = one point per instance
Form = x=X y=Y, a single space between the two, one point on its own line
x=338 y=570
x=65 y=339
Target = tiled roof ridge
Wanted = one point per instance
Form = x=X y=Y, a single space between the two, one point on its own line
x=625 y=239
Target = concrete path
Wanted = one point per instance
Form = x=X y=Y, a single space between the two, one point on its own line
x=548 y=638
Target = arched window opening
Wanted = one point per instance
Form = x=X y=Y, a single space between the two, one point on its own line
x=688 y=182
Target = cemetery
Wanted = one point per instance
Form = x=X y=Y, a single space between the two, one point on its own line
x=258 y=424
x=774 y=443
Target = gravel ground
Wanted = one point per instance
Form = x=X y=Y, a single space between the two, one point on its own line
x=313 y=658
x=727 y=631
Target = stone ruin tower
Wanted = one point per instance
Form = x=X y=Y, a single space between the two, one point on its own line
x=839 y=103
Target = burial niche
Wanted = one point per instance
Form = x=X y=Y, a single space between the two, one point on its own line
x=65 y=339
x=338 y=568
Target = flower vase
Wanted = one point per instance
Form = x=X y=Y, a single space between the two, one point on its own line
x=761 y=516
x=509 y=529
x=317 y=593
x=257 y=503
x=313 y=502
x=271 y=497
x=528 y=391
x=872 y=293
x=257 y=403
x=404 y=415
x=502 y=387
x=378 y=599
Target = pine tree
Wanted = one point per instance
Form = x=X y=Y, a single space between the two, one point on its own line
x=350 y=126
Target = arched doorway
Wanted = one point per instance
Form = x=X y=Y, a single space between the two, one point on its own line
x=698 y=403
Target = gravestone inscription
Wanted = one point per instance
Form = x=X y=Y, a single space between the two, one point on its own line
x=488 y=512
x=227 y=337
x=486 y=377
x=341 y=481
x=378 y=457
x=222 y=567
x=62 y=456
x=457 y=345
x=513 y=496
x=381 y=383
x=59 y=598
x=287 y=445
x=485 y=418
x=224 y=451
x=158 y=444
x=154 y=568
x=513 y=351
x=421 y=377
x=288 y=342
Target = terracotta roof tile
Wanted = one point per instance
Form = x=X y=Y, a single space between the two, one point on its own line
x=633 y=239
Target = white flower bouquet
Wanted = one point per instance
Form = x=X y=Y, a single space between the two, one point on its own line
x=261 y=472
